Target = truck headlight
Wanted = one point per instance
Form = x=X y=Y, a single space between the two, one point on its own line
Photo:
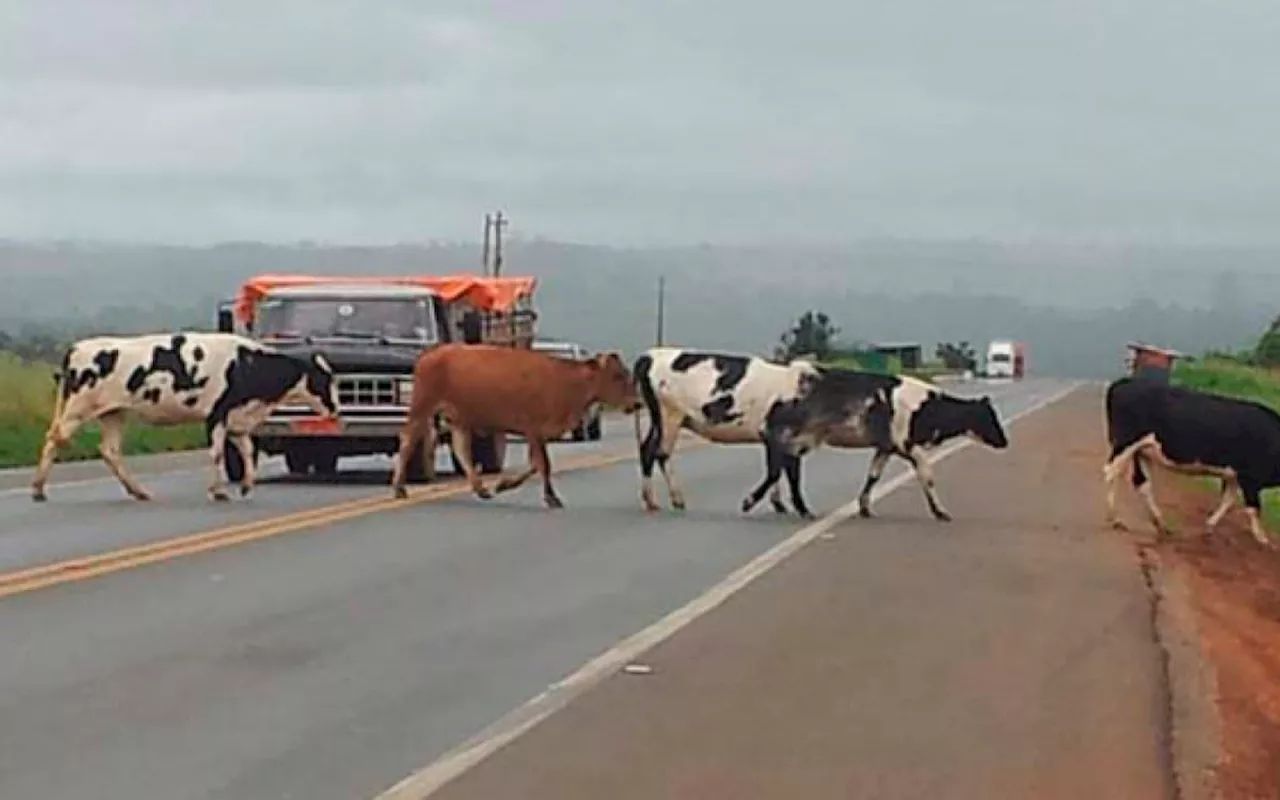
x=404 y=392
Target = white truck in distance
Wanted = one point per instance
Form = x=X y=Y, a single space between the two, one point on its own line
x=1005 y=359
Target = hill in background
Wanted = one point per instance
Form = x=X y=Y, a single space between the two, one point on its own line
x=1074 y=306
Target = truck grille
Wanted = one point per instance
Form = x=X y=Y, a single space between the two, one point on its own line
x=366 y=391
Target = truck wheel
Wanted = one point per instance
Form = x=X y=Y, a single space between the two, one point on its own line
x=297 y=461
x=594 y=429
x=325 y=460
x=416 y=470
x=487 y=454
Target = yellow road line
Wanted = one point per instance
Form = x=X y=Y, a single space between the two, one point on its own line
x=83 y=568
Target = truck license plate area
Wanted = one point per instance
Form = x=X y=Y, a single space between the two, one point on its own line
x=314 y=425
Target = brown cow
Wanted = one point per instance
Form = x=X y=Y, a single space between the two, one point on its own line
x=498 y=389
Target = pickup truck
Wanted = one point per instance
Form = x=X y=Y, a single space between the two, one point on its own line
x=371 y=330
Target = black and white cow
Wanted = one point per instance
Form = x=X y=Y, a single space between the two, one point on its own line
x=794 y=409
x=723 y=397
x=228 y=382
x=1194 y=433
x=892 y=414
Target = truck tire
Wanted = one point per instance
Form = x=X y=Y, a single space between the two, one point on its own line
x=487 y=456
x=416 y=470
x=297 y=460
x=325 y=460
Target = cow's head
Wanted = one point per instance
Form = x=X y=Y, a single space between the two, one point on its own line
x=317 y=388
x=614 y=386
x=984 y=424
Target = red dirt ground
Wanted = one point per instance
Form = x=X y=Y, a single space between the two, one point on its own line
x=1236 y=588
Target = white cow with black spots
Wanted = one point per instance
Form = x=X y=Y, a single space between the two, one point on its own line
x=228 y=382
x=724 y=398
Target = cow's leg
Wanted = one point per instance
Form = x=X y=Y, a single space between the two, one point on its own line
x=671 y=426
x=791 y=467
x=1122 y=455
x=542 y=461
x=217 y=452
x=1142 y=482
x=924 y=474
x=244 y=444
x=460 y=441
x=55 y=438
x=112 y=449
x=648 y=448
x=874 y=471
x=410 y=433
x=775 y=462
x=506 y=484
x=1252 y=493
x=1229 y=488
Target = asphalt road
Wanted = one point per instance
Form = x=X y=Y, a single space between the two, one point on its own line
x=331 y=662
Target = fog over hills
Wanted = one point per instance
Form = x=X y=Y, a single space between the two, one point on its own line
x=1075 y=306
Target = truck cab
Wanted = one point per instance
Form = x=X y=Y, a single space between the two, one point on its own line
x=372 y=333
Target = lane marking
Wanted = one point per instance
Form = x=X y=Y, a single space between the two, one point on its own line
x=85 y=567
x=457 y=761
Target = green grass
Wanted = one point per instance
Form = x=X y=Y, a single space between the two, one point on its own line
x=26 y=403
x=1235 y=379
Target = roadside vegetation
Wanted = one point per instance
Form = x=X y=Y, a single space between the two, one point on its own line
x=26 y=404
x=815 y=336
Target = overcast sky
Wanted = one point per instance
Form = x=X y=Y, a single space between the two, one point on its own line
x=640 y=122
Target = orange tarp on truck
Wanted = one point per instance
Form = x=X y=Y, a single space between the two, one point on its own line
x=489 y=294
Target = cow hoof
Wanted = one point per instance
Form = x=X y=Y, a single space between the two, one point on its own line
x=678 y=504
x=245 y=490
x=778 y=506
x=806 y=514
x=142 y=496
x=553 y=502
x=219 y=497
x=39 y=497
x=864 y=512
x=484 y=494
x=942 y=516
x=502 y=486
x=400 y=493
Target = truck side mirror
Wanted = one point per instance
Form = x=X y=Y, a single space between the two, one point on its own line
x=226 y=321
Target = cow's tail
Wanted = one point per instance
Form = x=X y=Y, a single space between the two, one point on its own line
x=642 y=370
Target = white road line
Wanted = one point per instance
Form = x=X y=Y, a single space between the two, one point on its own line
x=433 y=777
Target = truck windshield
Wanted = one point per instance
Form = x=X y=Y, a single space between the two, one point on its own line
x=389 y=319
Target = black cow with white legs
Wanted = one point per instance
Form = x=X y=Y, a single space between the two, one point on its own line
x=228 y=382
x=1193 y=433
x=891 y=414
x=793 y=409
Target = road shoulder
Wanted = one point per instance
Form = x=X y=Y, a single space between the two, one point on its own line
x=1010 y=653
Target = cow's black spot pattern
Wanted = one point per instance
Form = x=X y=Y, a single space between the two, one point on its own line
x=104 y=363
x=169 y=360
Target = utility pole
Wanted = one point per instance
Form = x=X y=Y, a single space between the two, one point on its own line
x=498 y=224
x=484 y=259
x=662 y=296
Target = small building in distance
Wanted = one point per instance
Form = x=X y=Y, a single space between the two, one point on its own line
x=907 y=353
x=1150 y=362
